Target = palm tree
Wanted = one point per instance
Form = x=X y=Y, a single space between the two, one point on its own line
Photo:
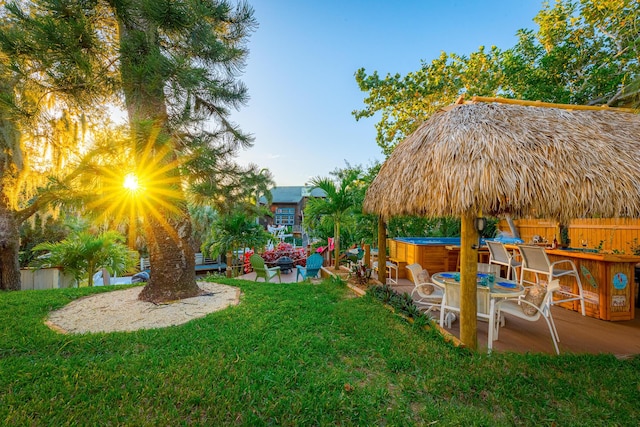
x=233 y=231
x=337 y=205
x=83 y=254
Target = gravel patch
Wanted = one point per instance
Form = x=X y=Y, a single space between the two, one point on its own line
x=121 y=311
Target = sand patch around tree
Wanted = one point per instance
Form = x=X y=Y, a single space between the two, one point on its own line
x=121 y=311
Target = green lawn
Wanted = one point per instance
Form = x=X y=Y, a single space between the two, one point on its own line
x=291 y=354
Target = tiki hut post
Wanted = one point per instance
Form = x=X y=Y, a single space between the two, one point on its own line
x=382 y=250
x=468 y=284
x=336 y=247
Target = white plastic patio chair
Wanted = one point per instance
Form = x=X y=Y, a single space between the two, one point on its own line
x=514 y=307
x=422 y=299
x=451 y=303
x=536 y=261
x=499 y=255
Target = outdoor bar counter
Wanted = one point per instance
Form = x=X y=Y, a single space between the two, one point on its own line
x=608 y=282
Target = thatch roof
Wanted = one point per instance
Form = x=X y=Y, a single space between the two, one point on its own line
x=514 y=159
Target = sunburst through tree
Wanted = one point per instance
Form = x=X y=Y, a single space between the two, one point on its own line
x=136 y=192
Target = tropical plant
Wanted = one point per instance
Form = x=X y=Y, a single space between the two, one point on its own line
x=234 y=231
x=360 y=273
x=402 y=303
x=83 y=254
x=174 y=67
x=336 y=207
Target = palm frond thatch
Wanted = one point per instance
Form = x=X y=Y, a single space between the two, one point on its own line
x=514 y=159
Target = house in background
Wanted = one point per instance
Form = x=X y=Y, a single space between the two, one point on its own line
x=287 y=206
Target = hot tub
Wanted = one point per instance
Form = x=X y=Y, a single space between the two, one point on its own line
x=435 y=254
x=429 y=240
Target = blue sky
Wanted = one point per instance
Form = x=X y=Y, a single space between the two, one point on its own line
x=303 y=56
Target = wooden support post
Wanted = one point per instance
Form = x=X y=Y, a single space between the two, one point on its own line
x=106 y=277
x=367 y=255
x=229 y=272
x=336 y=247
x=382 y=250
x=468 y=281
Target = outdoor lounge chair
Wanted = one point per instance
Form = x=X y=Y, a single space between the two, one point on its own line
x=426 y=295
x=518 y=307
x=314 y=264
x=257 y=263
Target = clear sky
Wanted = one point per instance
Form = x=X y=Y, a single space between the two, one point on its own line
x=304 y=54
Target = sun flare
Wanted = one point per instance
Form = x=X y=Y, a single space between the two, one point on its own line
x=149 y=192
x=131 y=182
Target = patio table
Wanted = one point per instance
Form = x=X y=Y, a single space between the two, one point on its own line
x=488 y=293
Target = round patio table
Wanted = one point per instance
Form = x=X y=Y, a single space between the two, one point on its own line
x=498 y=289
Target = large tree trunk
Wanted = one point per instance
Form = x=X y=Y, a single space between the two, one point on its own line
x=168 y=234
x=172 y=262
x=9 y=246
x=10 y=167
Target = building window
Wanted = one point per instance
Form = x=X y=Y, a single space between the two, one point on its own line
x=285 y=216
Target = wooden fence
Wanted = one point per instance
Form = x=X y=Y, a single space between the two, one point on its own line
x=608 y=234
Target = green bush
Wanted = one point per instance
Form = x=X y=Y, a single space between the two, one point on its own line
x=83 y=254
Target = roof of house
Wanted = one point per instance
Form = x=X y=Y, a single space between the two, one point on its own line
x=293 y=194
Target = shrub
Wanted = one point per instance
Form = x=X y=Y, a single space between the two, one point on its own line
x=403 y=303
x=298 y=255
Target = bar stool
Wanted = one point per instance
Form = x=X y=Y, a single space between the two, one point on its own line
x=500 y=256
x=391 y=267
x=536 y=261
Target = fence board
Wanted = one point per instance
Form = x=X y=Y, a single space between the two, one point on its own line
x=608 y=234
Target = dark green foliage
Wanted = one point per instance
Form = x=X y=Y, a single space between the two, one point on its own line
x=491 y=229
x=402 y=303
x=234 y=231
x=37 y=231
x=413 y=226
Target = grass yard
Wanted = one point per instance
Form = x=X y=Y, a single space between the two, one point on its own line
x=291 y=354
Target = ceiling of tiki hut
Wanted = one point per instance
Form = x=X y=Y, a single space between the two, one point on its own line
x=514 y=157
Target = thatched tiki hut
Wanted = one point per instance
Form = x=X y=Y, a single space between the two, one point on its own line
x=497 y=157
